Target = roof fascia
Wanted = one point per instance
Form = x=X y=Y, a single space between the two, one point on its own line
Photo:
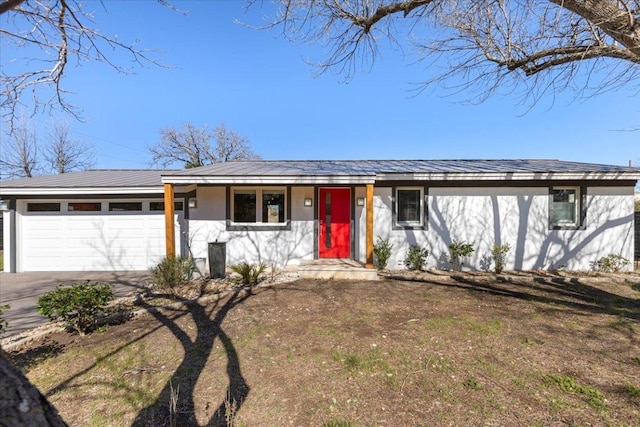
x=41 y=191
x=270 y=180
x=508 y=176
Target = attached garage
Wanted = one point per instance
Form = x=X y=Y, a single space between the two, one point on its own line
x=79 y=241
x=76 y=228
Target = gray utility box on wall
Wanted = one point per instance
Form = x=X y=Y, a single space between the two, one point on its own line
x=217 y=260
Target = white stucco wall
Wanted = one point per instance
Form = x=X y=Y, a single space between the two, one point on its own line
x=277 y=248
x=517 y=216
x=483 y=216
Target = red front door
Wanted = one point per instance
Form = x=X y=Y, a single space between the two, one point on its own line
x=335 y=223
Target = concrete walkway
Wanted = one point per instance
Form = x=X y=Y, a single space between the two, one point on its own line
x=21 y=292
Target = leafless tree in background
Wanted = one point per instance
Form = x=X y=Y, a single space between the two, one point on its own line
x=64 y=154
x=19 y=152
x=51 y=34
x=23 y=155
x=541 y=46
x=198 y=146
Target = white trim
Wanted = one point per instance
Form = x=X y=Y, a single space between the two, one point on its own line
x=507 y=176
x=269 y=180
x=426 y=176
x=44 y=191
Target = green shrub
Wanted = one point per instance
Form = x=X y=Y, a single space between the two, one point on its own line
x=459 y=250
x=173 y=272
x=499 y=253
x=416 y=257
x=249 y=273
x=611 y=263
x=382 y=251
x=3 y=323
x=77 y=304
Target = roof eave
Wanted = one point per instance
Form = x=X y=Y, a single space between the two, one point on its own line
x=509 y=176
x=61 y=191
x=270 y=180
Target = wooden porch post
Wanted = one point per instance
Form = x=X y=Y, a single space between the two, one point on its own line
x=369 y=229
x=169 y=228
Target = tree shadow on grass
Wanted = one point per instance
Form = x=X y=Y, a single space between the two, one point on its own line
x=557 y=291
x=567 y=292
x=196 y=354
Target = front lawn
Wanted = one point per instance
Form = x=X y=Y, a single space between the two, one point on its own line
x=463 y=350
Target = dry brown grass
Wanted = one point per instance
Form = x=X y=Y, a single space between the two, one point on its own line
x=469 y=350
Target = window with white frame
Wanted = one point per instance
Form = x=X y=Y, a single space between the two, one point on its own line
x=258 y=205
x=564 y=207
x=409 y=206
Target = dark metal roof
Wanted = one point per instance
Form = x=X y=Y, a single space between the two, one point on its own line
x=91 y=179
x=373 y=167
x=114 y=178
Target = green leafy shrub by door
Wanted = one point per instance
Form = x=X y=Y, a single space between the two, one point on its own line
x=382 y=252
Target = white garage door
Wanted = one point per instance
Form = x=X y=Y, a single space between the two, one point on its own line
x=92 y=242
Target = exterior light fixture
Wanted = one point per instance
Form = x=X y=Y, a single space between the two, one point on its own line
x=4 y=205
x=360 y=201
x=193 y=203
x=308 y=202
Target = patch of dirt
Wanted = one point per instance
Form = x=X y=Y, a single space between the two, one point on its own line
x=431 y=348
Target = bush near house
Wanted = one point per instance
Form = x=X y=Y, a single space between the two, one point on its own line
x=172 y=272
x=611 y=263
x=77 y=305
x=382 y=252
x=457 y=251
x=499 y=253
x=250 y=274
x=416 y=257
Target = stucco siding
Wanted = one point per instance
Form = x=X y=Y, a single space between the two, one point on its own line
x=518 y=216
x=277 y=248
x=515 y=216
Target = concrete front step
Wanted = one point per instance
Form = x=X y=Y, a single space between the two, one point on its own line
x=339 y=269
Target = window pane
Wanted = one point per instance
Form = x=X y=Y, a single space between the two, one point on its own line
x=273 y=206
x=409 y=206
x=84 y=207
x=244 y=206
x=159 y=206
x=125 y=206
x=563 y=207
x=43 y=207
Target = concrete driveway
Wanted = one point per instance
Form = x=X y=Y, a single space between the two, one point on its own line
x=21 y=292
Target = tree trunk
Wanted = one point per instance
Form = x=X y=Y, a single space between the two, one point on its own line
x=21 y=403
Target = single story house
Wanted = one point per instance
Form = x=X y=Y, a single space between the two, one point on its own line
x=553 y=214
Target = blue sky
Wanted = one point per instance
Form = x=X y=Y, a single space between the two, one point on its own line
x=259 y=85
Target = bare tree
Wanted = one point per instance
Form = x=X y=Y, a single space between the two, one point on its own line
x=539 y=45
x=19 y=152
x=52 y=33
x=64 y=154
x=194 y=146
x=22 y=155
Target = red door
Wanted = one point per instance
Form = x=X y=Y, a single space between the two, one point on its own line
x=335 y=223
